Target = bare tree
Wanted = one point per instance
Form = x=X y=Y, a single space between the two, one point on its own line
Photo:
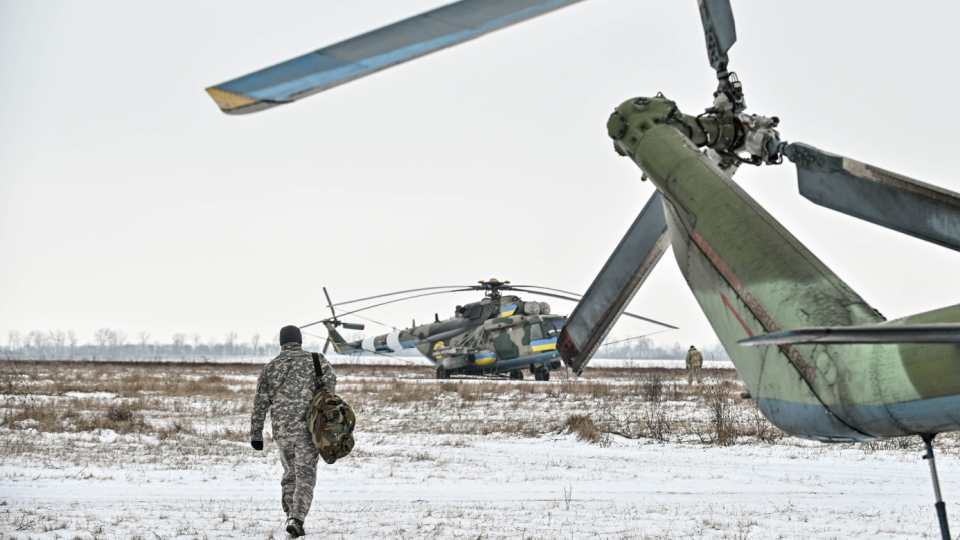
x=196 y=343
x=14 y=339
x=59 y=340
x=178 y=341
x=102 y=337
x=255 y=341
x=144 y=339
x=230 y=341
x=72 y=339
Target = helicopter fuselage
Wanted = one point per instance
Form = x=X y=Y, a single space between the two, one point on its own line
x=499 y=334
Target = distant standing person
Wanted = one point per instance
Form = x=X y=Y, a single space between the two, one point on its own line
x=694 y=363
x=285 y=388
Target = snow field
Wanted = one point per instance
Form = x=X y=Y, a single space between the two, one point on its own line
x=162 y=452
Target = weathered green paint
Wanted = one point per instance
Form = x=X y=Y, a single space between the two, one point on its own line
x=752 y=277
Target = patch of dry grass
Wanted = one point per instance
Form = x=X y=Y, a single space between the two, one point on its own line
x=205 y=407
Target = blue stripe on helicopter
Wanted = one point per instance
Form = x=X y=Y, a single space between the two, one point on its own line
x=544 y=344
x=507 y=311
x=484 y=359
x=263 y=84
x=515 y=363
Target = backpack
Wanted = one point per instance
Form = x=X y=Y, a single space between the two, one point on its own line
x=330 y=421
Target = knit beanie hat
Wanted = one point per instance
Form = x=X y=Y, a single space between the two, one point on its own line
x=290 y=334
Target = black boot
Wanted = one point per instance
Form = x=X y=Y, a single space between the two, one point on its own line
x=295 y=528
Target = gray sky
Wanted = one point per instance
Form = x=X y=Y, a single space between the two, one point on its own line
x=128 y=200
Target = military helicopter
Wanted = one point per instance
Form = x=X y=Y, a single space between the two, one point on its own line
x=818 y=360
x=499 y=334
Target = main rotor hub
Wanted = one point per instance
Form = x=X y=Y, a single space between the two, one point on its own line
x=731 y=137
x=493 y=287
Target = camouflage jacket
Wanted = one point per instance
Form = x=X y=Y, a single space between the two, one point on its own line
x=285 y=388
x=694 y=359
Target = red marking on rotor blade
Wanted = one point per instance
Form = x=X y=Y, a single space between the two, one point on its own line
x=735 y=314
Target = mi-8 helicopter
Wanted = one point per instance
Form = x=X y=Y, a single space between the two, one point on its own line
x=818 y=360
x=501 y=333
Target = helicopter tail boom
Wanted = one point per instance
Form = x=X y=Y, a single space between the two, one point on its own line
x=752 y=277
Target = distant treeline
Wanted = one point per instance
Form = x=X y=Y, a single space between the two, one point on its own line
x=117 y=344
x=644 y=348
x=108 y=343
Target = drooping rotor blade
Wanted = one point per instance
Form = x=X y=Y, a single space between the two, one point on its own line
x=517 y=289
x=888 y=199
x=720 y=32
x=884 y=333
x=539 y=287
x=615 y=285
x=625 y=313
x=326 y=345
x=400 y=292
x=371 y=52
x=389 y=302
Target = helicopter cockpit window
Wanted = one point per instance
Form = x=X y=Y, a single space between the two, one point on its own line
x=553 y=328
x=474 y=313
x=536 y=332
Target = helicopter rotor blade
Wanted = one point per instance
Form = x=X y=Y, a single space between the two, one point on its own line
x=719 y=31
x=402 y=299
x=400 y=292
x=511 y=287
x=329 y=303
x=545 y=294
x=326 y=345
x=625 y=314
x=615 y=285
x=352 y=326
x=887 y=199
x=371 y=52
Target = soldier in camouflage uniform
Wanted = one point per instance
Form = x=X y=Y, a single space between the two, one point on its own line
x=694 y=362
x=285 y=388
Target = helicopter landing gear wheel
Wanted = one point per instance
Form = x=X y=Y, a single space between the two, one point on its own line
x=442 y=373
x=516 y=375
x=544 y=375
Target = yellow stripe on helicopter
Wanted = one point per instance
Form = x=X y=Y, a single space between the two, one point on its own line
x=544 y=345
x=484 y=359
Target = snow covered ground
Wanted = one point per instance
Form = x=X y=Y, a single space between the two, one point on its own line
x=149 y=458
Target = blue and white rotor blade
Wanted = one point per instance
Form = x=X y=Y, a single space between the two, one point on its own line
x=371 y=52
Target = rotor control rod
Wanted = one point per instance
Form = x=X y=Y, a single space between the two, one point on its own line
x=941 y=506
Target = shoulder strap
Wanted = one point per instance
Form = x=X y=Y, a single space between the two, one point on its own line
x=316 y=365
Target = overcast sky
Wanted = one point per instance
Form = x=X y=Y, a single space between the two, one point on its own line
x=128 y=200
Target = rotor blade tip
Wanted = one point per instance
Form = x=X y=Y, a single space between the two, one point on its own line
x=229 y=101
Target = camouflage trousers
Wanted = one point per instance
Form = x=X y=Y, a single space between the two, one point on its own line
x=298 y=455
x=693 y=373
